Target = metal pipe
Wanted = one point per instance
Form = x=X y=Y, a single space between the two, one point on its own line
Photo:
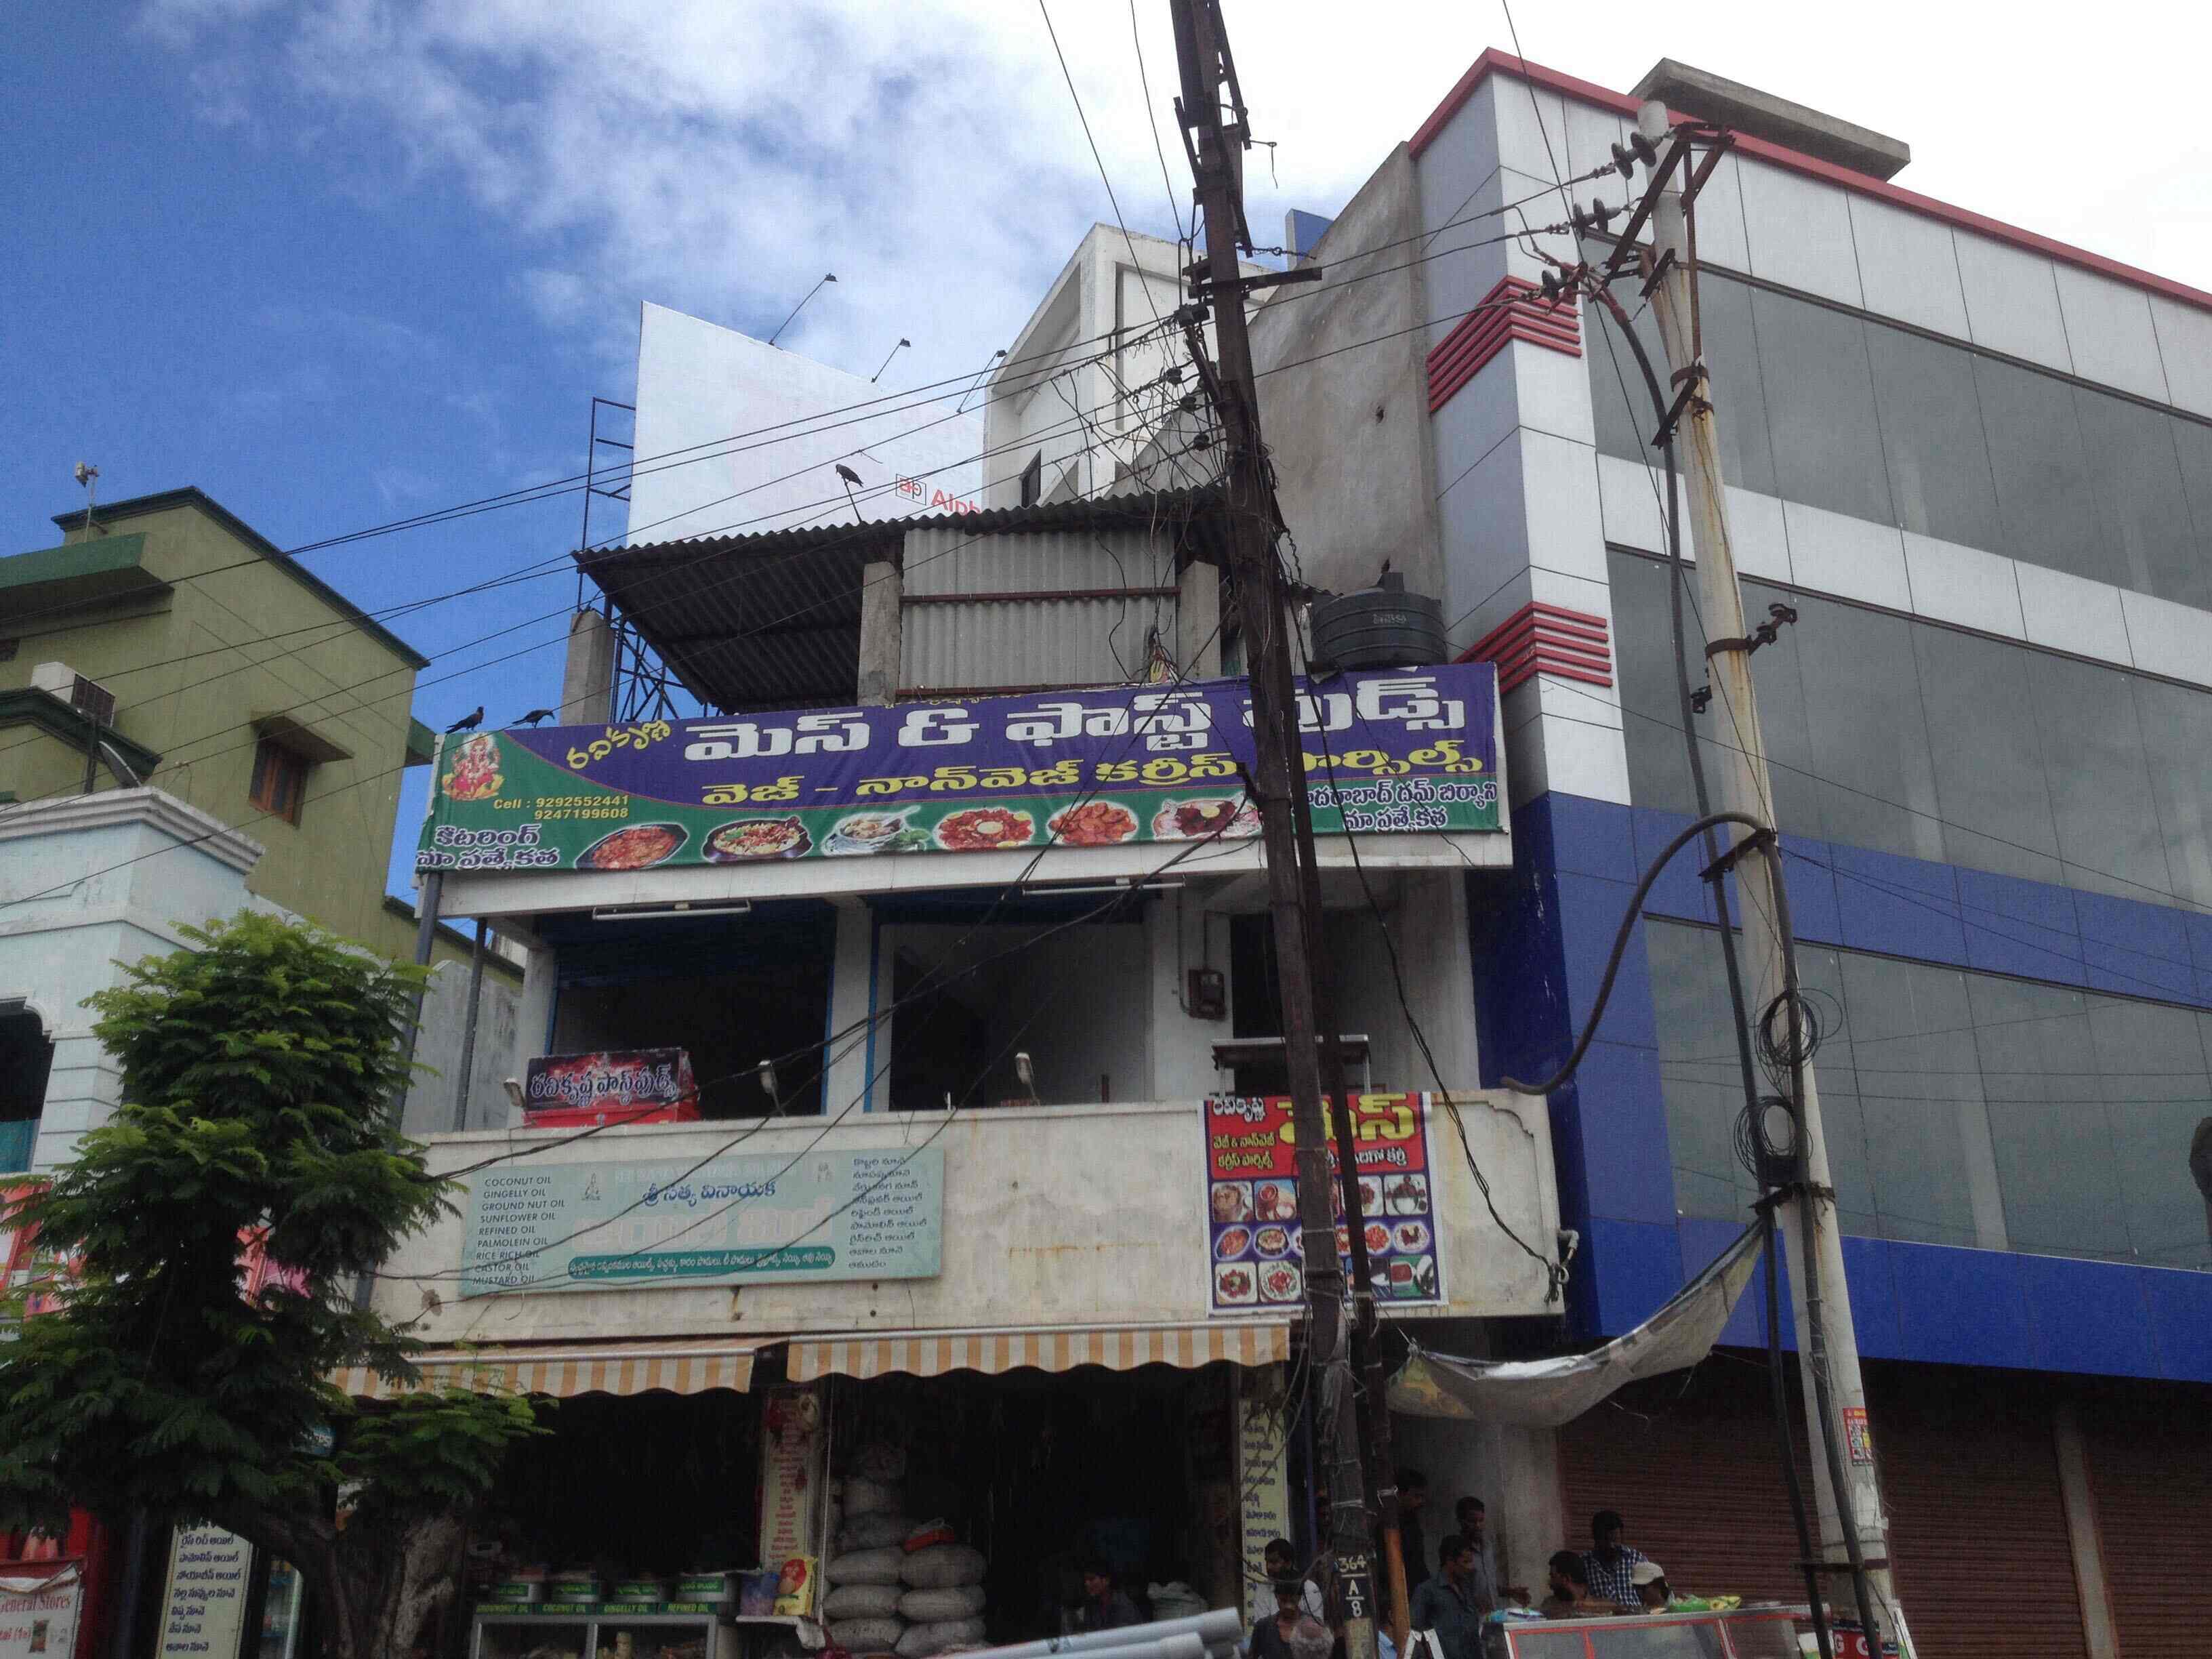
x=1188 y=1638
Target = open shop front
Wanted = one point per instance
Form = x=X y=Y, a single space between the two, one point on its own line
x=904 y=1495
x=974 y=1478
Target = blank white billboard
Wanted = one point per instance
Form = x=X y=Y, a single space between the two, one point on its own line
x=736 y=436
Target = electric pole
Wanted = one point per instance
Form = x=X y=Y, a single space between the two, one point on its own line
x=1854 y=1531
x=1216 y=149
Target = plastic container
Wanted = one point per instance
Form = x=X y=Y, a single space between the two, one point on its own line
x=757 y=1593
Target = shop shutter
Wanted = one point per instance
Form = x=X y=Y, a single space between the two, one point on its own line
x=2151 y=1479
x=1978 y=1527
x=1692 y=1466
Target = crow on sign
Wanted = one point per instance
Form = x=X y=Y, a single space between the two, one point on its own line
x=467 y=722
x=534 y=716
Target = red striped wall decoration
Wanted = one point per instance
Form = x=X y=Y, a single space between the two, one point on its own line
x=1545 y=639
x=1523 y=314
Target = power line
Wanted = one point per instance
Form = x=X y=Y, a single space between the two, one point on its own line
x=395 y=771
x=1153 y=118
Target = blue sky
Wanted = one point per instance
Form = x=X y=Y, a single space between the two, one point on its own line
x=339 y=263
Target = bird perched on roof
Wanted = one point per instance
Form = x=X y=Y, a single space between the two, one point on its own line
x=467 y=722
x=534 y=716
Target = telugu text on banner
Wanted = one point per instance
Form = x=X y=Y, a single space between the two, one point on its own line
x=1409 y=750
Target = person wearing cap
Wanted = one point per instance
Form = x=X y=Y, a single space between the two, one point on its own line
x=1607 y=1563
x=1652 y=1590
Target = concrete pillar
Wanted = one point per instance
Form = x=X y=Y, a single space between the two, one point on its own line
x=883 y=592
x=2082 y=1535
x=1182 y=1047
x=1198 y=621
x=587 y=677
x=1439 y=974
x=852 y=999
x=533 y=1031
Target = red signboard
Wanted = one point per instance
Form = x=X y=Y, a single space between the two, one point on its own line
x=637 y=1086
x=1257 y=1258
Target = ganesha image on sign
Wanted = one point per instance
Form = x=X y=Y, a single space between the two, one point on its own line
x=475 y=774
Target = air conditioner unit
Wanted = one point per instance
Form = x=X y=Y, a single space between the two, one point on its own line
x=88 y=696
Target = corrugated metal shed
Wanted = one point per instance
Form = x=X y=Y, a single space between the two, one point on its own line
x=773 y=620
x=970 y=623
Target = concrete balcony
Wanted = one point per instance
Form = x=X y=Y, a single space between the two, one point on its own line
x=1045 y=1216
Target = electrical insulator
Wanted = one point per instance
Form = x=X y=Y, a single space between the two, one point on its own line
x=1638 y=149
x=1554 y=286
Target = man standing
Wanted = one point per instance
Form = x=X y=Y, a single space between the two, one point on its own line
x=1609 y=1566
x=1281 y=1560
x=1449 y=1604
x=1472 y=1521
x=1413 y=1498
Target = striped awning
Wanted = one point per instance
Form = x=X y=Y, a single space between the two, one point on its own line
x=1117 y=1347
x=619 y=1367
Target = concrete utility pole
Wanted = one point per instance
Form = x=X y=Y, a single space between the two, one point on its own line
x=1217 y=154
x=1827 y=1346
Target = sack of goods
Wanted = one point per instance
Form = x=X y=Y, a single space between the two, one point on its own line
x=936 y=1531
x=927 y=1641
x=1174 y=1600
x=866 y=1497
x=880 y=1462
x=872 y=1566
x=862 y=1602
x=876 y=1529
x=866 y=1635
x=943 y=1566
x=930 y=1607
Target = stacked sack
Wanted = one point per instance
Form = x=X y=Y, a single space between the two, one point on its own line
x=895 y=1586
x=861 y=1607
x=944 y=1602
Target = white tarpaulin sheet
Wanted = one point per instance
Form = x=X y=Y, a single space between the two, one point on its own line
x=1545 y=1393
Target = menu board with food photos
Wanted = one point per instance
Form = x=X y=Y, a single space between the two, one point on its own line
x=1256 y=1261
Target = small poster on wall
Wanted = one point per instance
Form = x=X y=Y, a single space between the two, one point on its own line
x=791 y=1494
x=41 y=1619
x=204 y=1608
x=1256 y=1256
x=1263 y=1478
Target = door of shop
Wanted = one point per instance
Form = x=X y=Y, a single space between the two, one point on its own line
x=1977 y=1527
x=2150 y=1475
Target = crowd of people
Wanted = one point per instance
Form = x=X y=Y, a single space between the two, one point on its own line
x=1452 y=1594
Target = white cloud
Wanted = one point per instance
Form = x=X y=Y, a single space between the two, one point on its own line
x=718 y=157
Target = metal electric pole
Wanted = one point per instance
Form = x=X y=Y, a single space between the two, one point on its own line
x=1216 y=148
x=1854 y=1531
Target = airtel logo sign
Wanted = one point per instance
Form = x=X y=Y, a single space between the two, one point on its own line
x=915 y=489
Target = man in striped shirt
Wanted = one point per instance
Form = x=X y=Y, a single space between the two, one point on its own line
x=1611 y=1565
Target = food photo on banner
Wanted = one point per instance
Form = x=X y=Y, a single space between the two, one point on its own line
x=1407 y=751
x=1257 y=1259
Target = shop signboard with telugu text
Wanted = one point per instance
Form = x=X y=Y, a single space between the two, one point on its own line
x=42 y=1620
x=818 y=1216
x=1385 y=752
x=204 y=1608
x=1257 y=1259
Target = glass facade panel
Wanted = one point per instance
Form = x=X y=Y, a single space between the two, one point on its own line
x=1931 y=438
x=1961 y=1108
x=2100 y=777
x=1857 y=417
x=1909 y=737
x=1820 y=407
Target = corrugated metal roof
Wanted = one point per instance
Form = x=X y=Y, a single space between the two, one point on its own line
x=971 y=648
x=773 y=620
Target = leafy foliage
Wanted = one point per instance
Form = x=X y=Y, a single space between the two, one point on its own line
x=257 y=1073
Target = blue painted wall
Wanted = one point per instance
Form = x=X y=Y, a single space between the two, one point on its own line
x=1541 y=936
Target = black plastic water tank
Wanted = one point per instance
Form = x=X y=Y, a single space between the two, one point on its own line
x=1380 y=627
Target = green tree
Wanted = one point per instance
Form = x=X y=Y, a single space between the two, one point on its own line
x=257 y=1070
